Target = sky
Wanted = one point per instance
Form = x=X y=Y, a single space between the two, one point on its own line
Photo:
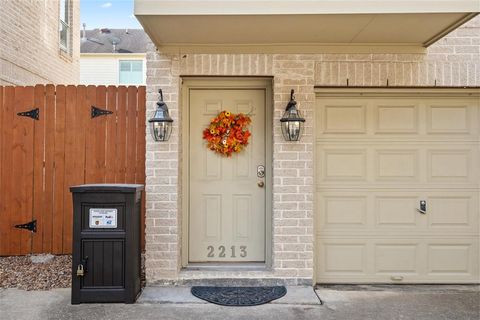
x=114 y=14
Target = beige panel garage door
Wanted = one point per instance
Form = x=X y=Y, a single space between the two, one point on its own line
x=377 y=157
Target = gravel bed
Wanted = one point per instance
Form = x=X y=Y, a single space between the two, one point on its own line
x=40 y=272
x=20 y=272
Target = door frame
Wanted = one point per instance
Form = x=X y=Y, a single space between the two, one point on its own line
x=219 y=82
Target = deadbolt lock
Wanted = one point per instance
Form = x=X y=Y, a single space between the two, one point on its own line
x=261 y=171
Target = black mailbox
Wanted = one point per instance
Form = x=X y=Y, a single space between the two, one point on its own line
x=106 y=242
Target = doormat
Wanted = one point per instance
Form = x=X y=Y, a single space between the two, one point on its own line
x=239 y=296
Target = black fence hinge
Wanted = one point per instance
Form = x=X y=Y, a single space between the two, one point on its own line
x=32 y=226
x=96 y=112
x=34 y=114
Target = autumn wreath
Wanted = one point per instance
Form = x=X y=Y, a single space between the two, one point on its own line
x=227 y=133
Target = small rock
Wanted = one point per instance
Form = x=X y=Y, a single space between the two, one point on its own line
x=40 y=272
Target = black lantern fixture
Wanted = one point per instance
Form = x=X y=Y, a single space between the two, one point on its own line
x=161 y=123
x=292 y=121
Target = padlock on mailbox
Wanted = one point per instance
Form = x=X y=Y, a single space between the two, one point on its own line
x=80 y=271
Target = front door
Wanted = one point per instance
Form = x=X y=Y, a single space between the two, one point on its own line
x=226 y=194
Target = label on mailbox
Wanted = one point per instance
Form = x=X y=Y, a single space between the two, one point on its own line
x=103 y=218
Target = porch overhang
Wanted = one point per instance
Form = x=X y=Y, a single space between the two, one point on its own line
x=302 y=26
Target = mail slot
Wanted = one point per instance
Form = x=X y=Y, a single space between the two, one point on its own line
x=106 y=243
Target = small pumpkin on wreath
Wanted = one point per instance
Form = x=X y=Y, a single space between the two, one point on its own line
x=227 y=133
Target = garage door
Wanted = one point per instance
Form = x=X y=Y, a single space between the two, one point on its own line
x=379 y=156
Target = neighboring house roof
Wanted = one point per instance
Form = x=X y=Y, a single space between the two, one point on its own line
x=113 y=41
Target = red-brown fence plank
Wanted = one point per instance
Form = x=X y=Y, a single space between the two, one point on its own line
x=71 y=176
x=82 y=118
x=28 y=136
x=77 y=115
x=101 y=135
x=38 y=170
x=2 y=216
x=8 y=235
x=140 y=155
x=131 y=134
x=22 y=168
x=120 y=164
x=111 y=138
x=15 y=185
x=47 y=215
x=91 y=136
x=59 y=159
x=141 y=151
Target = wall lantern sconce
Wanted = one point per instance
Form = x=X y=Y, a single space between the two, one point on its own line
x=161 y=122
x=292 y=121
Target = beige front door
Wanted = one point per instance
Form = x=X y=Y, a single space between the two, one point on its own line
x=226 y=202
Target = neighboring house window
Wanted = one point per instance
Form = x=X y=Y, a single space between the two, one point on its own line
x=64 y=26
x=131 y=72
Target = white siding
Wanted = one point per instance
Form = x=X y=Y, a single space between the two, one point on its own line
x=104 y=70
x=98 y=71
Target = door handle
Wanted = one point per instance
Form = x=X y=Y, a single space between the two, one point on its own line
x=261 y=184
x=423 y=207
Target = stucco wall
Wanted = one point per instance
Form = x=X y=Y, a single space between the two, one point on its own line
x=453 y=61
x=29 y=45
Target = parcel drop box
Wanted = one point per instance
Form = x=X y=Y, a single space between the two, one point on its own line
x=106 y=242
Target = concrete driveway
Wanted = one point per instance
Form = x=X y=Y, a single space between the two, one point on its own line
x=339 y=302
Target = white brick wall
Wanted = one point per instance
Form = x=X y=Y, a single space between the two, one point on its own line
x=293 y=187
x=452 y=61
x=162 y=174
x=293 y=163
x=29 y=44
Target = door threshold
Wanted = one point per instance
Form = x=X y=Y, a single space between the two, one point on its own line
x=226 y=266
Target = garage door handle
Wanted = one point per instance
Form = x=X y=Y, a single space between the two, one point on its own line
x=423 y=207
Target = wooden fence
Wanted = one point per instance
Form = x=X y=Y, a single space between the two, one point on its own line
x=40 y=159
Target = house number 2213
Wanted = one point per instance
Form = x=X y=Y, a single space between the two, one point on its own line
x=221 y=252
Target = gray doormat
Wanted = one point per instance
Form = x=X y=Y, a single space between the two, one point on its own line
x=239 y=296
